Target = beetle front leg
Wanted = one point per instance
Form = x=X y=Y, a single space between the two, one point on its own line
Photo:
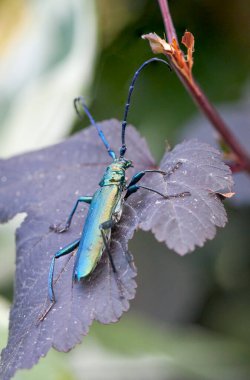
x=132 y=187
x=138 y=176
x=135 y=188
x=59 y=228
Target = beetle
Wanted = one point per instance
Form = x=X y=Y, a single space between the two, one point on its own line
x=106 y=205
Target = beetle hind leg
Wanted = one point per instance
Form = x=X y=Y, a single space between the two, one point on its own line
x=103 y=227
x=51 y=295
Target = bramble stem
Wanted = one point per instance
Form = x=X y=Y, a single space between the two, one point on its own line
x=202 y=101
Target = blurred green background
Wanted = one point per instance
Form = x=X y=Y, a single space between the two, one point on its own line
x=190 y=318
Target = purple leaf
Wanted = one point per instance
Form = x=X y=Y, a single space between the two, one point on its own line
x=236 y=115
x=45 y=184
x=185 y=222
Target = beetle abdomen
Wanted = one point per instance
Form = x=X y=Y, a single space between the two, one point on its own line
x=91 y=246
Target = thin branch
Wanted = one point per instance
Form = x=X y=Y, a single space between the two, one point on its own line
x=235 y=168
x=167 y=19
x=202 y=101
x=213 y=116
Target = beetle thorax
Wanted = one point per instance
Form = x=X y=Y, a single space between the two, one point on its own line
x=115 y=173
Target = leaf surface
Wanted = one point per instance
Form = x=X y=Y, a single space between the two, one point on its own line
x=185 y=222
x=45 y=185
x=237 y=116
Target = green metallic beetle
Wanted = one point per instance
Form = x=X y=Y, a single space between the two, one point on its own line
x=105 y=205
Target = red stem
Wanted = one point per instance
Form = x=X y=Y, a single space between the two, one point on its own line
x=235 y=168
x=202 y=101
x=167 y=19
x=213 y=116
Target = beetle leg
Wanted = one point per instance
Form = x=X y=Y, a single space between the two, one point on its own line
x=138 y=176
x=60 y=229
x=64 y=251
x=132 y=189
x=173 y=169
x=104 y=226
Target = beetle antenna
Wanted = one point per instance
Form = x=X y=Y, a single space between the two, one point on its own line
x=80 y=101
x=131 y=88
